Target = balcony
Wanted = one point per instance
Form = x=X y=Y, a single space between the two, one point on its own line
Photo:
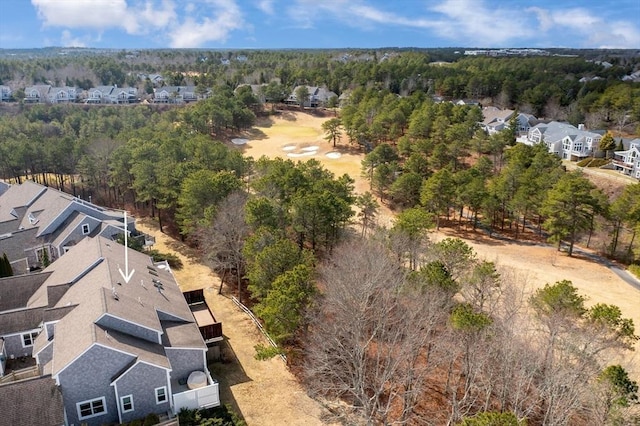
x=210 y=328
x=622 y=164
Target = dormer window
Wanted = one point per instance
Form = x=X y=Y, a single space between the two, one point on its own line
x=85 y=229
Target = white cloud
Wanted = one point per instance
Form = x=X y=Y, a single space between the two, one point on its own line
x=266 y=6
x=203 y=20
x=68 y=40
x=587 y=29
x=226 y=17
x=98 y=14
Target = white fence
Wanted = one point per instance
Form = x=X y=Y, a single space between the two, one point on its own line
x=205 y=397
x=257 y=323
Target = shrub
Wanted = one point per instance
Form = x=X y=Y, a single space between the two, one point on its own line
x=173 y=260
x=151 y=419
x=635 y=269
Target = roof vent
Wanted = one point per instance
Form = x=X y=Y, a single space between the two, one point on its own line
x=115 y=293
x=140 y=301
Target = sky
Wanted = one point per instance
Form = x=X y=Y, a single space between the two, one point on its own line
x=278 y=24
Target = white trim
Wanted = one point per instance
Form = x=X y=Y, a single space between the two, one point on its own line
x=91 y=401
x=130 y=396
x=37 y=355
x=32 y=337
x=56 y=376
x=124 y=373
x=166 y=395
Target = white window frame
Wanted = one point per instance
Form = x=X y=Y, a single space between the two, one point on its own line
x=164 y=395
x=122 y=403
x=85 y=228
x=93 y=413
x=32 y=336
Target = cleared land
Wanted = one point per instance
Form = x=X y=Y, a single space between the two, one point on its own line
x=265 y=392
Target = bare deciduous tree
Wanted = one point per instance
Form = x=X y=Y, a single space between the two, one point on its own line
x=223 y=239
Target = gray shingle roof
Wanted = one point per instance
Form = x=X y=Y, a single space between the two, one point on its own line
x=15 y=291
x=137 y=302
x=35 y=401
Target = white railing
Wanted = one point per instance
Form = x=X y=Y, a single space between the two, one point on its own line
x=259 y=325
x=205 y=397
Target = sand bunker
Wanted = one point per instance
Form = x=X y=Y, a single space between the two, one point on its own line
x=288 y=147
x=301 y=154
x=333 y=154
x=239 y=141
x=310 y=148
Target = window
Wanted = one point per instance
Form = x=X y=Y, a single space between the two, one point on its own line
x=126 y=402
x=29 y=338
x=92 y=408
x=161 y=395
x=85 y=229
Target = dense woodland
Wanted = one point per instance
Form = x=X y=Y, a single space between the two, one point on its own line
x=396 y=328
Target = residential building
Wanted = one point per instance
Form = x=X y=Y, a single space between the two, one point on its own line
x=177 y=94
x=628 y=160
x=5 y=93
x=116 y=349
x=39 y=223
x=45 y=93
x=111 y=95
x=318 y=96
x=496 y=119
x=565 y=140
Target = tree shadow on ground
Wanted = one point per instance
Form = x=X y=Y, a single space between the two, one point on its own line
x=228 y=372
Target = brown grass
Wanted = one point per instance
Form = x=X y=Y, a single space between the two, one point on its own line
x=265 y=392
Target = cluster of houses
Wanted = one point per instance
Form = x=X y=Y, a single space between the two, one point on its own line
x=92 y=333
x=45 y=93
x=563 y=139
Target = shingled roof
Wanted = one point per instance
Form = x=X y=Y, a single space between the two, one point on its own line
x=35 y=401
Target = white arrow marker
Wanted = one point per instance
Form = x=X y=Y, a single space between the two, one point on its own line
x=126 y=276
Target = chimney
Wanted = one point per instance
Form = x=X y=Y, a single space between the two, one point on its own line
x=581 y=126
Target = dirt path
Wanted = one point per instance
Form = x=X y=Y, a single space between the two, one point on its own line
x=265 y=393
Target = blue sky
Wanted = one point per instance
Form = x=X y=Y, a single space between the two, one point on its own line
x=273 y=24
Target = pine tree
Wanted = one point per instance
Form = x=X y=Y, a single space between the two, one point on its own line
x=5 y=266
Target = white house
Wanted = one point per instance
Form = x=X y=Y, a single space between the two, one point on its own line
x=496 y=119
x=565 y=140
x=111 y=95
x=5 y=93
x=628 y=161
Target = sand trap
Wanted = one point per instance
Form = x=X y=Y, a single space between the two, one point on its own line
x=301 y=154
x=310 y=148
x=288 y=147
x=239 y=141
x=333 y=154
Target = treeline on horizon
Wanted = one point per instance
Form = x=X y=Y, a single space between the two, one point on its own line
x=545 y=86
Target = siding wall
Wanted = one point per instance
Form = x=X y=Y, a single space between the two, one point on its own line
x=141 y=382
x=185 y=361
x=89 y=377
